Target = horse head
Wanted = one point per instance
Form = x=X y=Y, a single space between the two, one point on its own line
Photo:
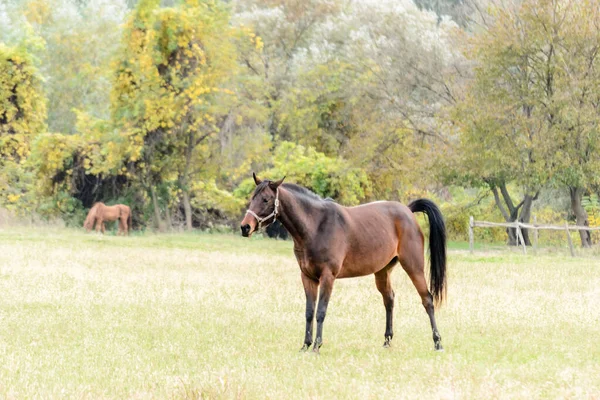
x=264 y=204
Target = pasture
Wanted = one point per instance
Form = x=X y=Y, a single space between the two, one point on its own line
x=220 y=316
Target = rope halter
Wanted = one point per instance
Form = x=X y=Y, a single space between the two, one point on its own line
x=273 y=214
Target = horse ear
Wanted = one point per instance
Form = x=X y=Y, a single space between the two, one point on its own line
x=276 y=184
x=256 y=180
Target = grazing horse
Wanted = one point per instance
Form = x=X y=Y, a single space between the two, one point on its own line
x=101 y=212
x=332 y=241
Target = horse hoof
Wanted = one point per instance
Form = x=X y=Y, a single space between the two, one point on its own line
x=304 y=348
x=439 y=348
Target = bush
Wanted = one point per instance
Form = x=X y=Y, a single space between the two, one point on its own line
x=326 y=176
x=464 y=204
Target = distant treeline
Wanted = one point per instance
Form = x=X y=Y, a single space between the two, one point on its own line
x=491 y=108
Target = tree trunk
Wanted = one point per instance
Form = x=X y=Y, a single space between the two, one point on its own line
x=513 y=239
x=510 y=212
x=580 y=215
x=525 y=216
x=508 y=217
x=183 y=181
x=169 y=221
x=159 y=221
x=187 y=208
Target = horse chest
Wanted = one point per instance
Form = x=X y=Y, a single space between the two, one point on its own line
x=304 y=263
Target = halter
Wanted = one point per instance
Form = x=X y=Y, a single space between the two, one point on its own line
x=273 y=214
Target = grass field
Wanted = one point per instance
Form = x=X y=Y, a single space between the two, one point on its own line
x=219 y=316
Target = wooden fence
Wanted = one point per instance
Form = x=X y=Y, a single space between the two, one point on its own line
x=518 y=226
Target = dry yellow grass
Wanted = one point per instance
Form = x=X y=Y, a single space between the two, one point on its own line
x=217 y=316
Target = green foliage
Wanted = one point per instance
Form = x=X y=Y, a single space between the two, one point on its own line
x=171 y=66
x=22 y=104
x=592 y=207
x=79 y=39
x=457 y=211
x=318 y=112
x=61 y=161
x=326 y=176
x=348 y=99
x=208 y=196
x=52 y=157
x=591 y=204
x=528 y=115
x=550 y=216
x=22 y=116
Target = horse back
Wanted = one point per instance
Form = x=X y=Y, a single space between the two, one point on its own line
x=382 y=216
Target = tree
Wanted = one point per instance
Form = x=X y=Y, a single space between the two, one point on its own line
x=286 y=29
x=397 y=86
x=576 y=100
x=533 y=96
x=172 y=66
x=74 y=43
x=22 y=117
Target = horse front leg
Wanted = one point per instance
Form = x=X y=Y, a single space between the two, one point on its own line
x=311 y=288
x=326 y=284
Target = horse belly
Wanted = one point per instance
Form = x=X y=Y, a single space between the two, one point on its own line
x=367 y=263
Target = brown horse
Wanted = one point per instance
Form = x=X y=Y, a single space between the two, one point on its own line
x=101 y=212
x=332 y=241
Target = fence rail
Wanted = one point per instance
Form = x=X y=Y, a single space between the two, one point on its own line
x=518 y=226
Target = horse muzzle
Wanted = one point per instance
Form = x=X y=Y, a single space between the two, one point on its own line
x=246 y=230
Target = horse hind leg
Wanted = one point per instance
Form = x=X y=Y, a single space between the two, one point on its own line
x=413 y=264
x=384 y=285
x=125 y=226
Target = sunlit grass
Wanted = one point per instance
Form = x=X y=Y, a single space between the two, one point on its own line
x=219 y=316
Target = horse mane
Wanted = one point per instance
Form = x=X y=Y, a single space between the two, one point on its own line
x=302 y=190
x=305 y=193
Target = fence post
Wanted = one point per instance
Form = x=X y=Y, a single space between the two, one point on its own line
x=520 y=236
x=535 y=235
x=471 y=240
x=569 y=240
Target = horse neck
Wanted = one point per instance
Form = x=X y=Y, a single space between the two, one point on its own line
x=299 y=216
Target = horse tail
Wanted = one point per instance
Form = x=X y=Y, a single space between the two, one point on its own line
x=437 y=246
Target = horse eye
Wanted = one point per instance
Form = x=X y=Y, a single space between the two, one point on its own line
x=265 y=200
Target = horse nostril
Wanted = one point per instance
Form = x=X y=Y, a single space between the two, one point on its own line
x=245 y=229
